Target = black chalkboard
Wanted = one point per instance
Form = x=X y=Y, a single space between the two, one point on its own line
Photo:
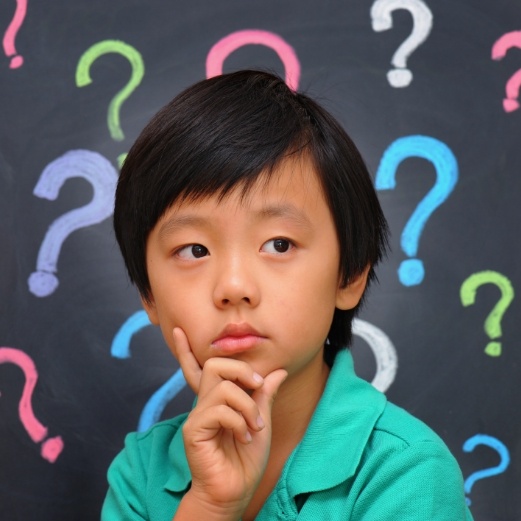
x=75 y=351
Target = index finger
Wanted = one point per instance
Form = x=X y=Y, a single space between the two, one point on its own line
x=221 y=369
x=192 y=371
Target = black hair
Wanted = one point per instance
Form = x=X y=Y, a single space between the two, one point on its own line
x=225 y=132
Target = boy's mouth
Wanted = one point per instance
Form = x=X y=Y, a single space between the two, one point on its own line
x=236 y=338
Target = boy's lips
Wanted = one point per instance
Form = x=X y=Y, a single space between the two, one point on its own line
x=236 y=338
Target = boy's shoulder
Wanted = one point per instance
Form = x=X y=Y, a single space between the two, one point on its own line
x=157 y=440
x=374 y=436
x=395 y=423
x=365 y=430
x=162 y=429
x=353 y=397
x=150 y=463
x=402 y=449
x=156 y=448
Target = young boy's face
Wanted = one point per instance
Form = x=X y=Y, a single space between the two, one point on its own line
x=254 y=279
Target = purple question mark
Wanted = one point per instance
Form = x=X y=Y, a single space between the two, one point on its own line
x=96 y=169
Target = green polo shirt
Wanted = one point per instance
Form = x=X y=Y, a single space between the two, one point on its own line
x=362 y=458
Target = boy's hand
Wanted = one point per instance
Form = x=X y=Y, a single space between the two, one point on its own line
x=227 y=435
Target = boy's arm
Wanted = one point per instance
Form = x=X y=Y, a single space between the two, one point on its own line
x=226 y=447
x=418 y=483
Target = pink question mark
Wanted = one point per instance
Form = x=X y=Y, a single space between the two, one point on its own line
x=224 y=47
x=11 y=32
x=499 y=50
x=52 y=447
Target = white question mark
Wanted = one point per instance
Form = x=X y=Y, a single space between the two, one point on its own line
x=381 y=18
x=76 y=163
x=383 y=350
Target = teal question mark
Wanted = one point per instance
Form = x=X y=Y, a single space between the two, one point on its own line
x=411 y=271
x=492 y=324
x=493 y=443
x=138 y=71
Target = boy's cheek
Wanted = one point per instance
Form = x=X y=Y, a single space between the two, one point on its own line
x=169 y=339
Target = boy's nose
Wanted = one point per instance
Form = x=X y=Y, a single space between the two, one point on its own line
x=236 y=285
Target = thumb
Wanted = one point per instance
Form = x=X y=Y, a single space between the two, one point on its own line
x=265 y=395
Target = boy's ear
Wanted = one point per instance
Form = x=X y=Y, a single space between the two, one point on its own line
x=150 y=308
x=349 y=296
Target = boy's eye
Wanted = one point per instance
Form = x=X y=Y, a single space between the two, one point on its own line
x=192 y=251
x=277 y=246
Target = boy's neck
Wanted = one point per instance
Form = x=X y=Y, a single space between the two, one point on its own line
x=292 y=410
x=295 y=404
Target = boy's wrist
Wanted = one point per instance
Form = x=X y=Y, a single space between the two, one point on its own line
x=197 y=505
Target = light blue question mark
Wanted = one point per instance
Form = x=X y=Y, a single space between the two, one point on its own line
x=168 y=391
x=493 y=443
x=411 y=271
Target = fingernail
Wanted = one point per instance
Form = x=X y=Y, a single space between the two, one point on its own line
x=260 y=422
x=258 y=378
x=248 y=437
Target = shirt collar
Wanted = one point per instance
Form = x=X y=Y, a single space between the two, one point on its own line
x=339 y=430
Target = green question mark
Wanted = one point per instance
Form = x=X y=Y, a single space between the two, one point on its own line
x=138 y=70
x=492 y=324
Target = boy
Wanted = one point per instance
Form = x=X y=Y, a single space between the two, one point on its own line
x=250 y=226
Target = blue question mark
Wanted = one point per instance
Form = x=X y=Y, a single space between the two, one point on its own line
x=411 y=271
x=168 y=391
x=493 y=443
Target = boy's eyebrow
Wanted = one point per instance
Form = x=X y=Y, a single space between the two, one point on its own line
x=180 y=221
x=286 y=211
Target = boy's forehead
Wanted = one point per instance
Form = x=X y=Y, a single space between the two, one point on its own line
x=284 y=191
x=293 y=178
